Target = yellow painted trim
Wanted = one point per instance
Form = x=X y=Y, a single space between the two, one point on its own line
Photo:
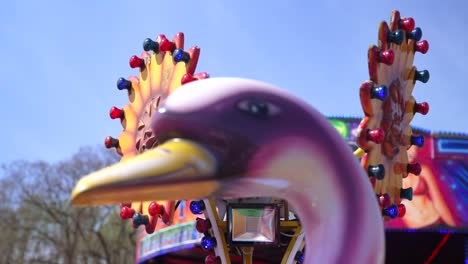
x=291 y=245
x=247 y=255
x=359 y=153
x=215 y=219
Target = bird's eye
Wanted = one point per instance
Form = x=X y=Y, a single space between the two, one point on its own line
x=258 y=108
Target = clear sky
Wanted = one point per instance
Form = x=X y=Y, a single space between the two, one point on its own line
x=60 y=60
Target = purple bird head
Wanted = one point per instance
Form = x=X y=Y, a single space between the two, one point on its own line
x=235 y=118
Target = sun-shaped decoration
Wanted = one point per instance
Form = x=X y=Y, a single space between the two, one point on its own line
x=163 y=67
x=389 y=106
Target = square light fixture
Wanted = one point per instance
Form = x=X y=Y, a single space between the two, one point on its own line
x=253 y=224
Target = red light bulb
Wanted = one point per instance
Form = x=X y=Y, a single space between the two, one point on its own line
x=126 y=213
x=375 y=135
x=202 y=225
x=401 y=210
x=422 y=108
x=414 y=168
x=165 y=44
x=421 y=46
x=111 y=142
x=407 y=24
x=385 y=200
x=115 y=113
x=187 y=78
x=155 y=209
x=136 y=62
x=386 y=57
x=210 y=259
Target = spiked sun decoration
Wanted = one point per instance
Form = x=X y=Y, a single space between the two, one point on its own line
x=163 y=67
x=389 y=106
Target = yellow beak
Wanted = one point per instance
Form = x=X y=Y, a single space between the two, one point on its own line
x=178 y=169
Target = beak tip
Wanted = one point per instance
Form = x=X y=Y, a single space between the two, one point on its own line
x=75 y=199
x=77 y=196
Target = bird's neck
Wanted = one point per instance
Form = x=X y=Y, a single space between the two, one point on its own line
x=323 y=189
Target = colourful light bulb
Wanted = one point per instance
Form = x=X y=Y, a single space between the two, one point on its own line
x=139 y=219
x=208 y=242
x=210 y=259
x=416 y=34
x=111 y=142
x=386 y=57
x=136 y=62
x=299 y=258
x=422 y=108
x=202 y=225
x=384 y=200
x=187 y=78
x=375 y=135
x=124 y=84
x=165 y=44
x=417 y=140
x=149 y=44
x=115 y=112
x=376 y=171
x=422 y=76
x=395 y=37
x=421 y=46
x=197 y=207
x=414 y=168
x=181 y=55
x=407 y=24
x=155 y=209
x=401 y=210
x=391 y=211
x=379 y=92
x=406 y=193
x=126 y=212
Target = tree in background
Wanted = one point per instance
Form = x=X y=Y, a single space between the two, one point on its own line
x=39 y=225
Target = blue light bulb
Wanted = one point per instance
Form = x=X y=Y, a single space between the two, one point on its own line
x=391 y=211
x=417 y=140
x=149 y=44
x=406 y=193
x=123 y=84
x=422 y=76
x=299 y=257
x=181 y=55
x=139 y=219
x=379 y=92
x=208 y=242
x=395 y=37
x=197 y=207
x=416 y=34
x=376 y=171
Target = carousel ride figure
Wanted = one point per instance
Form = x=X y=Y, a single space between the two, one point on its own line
x=265 y=172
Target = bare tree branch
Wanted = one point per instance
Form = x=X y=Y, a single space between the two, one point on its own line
x=41 y=225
